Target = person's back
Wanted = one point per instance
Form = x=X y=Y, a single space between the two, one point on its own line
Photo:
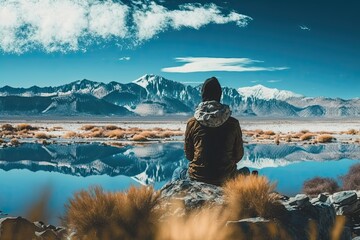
x=213 y=139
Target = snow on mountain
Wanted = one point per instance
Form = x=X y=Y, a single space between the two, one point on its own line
x=155 y=95
x=261 y=92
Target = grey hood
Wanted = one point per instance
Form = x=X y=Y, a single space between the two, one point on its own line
x=212 y=113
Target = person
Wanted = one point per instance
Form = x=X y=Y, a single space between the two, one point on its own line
x=213 y=139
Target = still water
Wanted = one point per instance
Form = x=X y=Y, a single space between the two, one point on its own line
x=67 y=168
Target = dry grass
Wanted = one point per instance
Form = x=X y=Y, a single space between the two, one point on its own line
x=14 y=142
x=319 y=185
x=324 y=138
x=42 y=135
x=306 y=136
x=7 y=127
x=206 y=224
x=139 y=137
x=269 y=132
x=303 y=131
x=87 y=127
x=351 y=180
x=249 y=196
x=25 y=126
x=94 y=133
x=111 y=127
x=95 y=214
x=117 y=133
x=70 y=134
x=351 y=132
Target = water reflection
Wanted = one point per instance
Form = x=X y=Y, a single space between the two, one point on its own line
x=69 y=168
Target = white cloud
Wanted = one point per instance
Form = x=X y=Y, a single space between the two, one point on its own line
x=273 y=81
x=72 y=25
x=207 y=64
x=124 y=59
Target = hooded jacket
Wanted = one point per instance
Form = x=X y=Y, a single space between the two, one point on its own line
x=213 y=143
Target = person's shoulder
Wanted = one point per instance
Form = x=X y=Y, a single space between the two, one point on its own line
x=233 y=120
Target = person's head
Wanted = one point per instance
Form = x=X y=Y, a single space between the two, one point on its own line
x=211 y=90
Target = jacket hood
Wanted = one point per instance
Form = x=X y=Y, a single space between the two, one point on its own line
x=212 y=113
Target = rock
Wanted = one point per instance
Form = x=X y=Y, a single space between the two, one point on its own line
x=344 y=197
x=192 y=194
x=300 y=200
x=347 y=209
x=17 y=228
x=48 y=234
x=323 y=197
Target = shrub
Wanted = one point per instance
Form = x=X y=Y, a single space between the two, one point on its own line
x=269 y=132
x=111 y=127
x=70 y=134
x=319 y=185
x=42 y=135
x=14 y=142
x=25 y=126
x=259 y=131
x=304 y=131
x=324 y=138
x=351 y=180
x=7 y=127
x=139 y=137
x=306 y=136
x=87 y=127
x=351 y=132
x=95 y=214
x=95 y=133
x=249 y=196
x=117 y=133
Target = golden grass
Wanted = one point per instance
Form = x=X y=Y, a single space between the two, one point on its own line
x=249 y=196
x=306 y=136
x=70 y=134
x=324 y=138
x=269 y=132
x=14 y=142
x=139 y=137
x=206 y=224
x=96 y=214
x=351 y=132
x=117 y=133
x=42 y=135
x=87 y=127
x=304 y=131
x=25 y=126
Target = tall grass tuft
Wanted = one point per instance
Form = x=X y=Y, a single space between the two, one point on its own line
x=324 y=138
x=201 y=224
x=319 y=185
x=250 y=196
x=99 y=215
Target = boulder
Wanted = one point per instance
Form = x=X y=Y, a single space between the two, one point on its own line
x=17 y=228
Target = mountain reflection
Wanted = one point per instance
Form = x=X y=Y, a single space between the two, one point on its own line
x=150 y=163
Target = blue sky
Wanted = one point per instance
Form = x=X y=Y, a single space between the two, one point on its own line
x=309 y=47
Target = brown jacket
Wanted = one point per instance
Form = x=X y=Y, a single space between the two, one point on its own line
x=213 y=151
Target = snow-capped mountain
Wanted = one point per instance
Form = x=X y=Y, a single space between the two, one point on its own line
x=261 y=92
x=155 y=95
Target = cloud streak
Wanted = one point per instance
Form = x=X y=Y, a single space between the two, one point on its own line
x=73 y=25
x=207 y=64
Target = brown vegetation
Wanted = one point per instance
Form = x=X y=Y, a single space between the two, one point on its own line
x=351 y=180
x=7 y=127
x=116 y=133
x=269 y=132
x=42 y=135
x=306 y=136
x=319 y=185
x=249 y=196
x=25 y=126
x=324 y=138
x=87 y=127
x=70 y=134
x=95 y=214
x=14 y=142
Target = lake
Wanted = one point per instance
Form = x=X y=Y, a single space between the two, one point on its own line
x=66 y=168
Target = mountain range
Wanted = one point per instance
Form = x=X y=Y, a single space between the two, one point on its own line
x=153 y=95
